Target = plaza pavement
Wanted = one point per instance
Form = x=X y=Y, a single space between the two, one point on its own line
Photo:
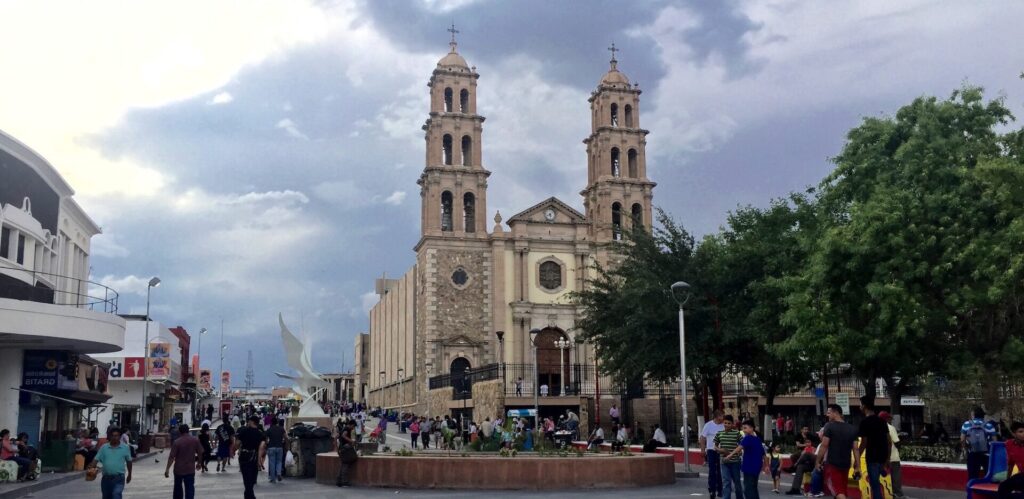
x=148 y=482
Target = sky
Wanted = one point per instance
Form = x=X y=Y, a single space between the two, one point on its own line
x=262 y=156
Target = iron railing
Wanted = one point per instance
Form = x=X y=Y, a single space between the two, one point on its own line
x=82 y=294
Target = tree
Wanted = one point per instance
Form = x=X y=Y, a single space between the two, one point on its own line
x=751 y=258
x=910 y=255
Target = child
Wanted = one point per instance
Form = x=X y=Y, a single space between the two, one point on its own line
x=754 y=459
x=1014 y=457
x=775 y=466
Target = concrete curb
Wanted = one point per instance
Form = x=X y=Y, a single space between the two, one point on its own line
x=35 y=487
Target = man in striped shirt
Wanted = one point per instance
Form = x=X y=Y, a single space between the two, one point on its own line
x=725 y=442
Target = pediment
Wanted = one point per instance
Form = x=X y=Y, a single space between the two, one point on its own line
x=536 y=213
x=459 y=340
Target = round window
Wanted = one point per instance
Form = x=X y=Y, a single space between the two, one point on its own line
x=460 y=277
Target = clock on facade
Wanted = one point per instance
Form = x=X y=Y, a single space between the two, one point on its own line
x=549 y=215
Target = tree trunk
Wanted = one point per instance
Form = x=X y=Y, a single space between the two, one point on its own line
x=870 y=388
x=895 y=392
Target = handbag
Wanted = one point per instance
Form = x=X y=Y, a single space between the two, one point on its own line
x=90 y=474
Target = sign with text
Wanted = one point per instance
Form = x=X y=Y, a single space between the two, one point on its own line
x=49 y=370
x=206 y=379
x=843 y=400
x=910 y=401
x=225 y=382
x=126 y=368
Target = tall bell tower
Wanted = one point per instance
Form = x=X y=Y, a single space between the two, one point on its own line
x=618 y=193
x=453 y=185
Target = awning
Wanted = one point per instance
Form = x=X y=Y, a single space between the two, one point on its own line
x=77 y=397
x=522 y=413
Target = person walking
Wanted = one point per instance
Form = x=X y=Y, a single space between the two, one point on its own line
x=895 y=471
x=874 y=445
x=414 y=431
x=251 y=446
x=277 y=440
x=204 y=439
x=519 y=387
x=225 y=436
x=833 y=458
x=613 y=413
x=751 y=448
x=711 y=457
x=727 y=443
x=185 y=456
x=116 y=461
x=346 y=453
x=975 y=436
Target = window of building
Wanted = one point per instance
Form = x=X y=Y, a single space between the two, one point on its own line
x=5 y=242
x=446 y=149
x=616 y=222
x=464 y=101
x=631 y=162
x=628 y=110
x=615 y=114
x=21 y=249
x=447 y=100
x=467 y=150
x=446 y=211
x=638 y=215
x=550 y=275
x=616 y=167
x=460 y=278
x=469 y=212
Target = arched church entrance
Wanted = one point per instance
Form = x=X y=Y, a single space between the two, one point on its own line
x=550 y=370
x=457 y=370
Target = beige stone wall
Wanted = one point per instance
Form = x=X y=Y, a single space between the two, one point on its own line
x=437 y=401
x=488 y=399
x=392 y=334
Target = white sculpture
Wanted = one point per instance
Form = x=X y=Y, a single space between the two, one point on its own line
x=308 y=384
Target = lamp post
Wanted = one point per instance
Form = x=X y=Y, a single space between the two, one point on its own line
x=536 y=378
x=501 y=357
x=382 y=376
x=681 y=293
x=401 y=371
x=198 y=367
x=562 y=345
x=221 y=382
x=466 y=393
x=143 y=420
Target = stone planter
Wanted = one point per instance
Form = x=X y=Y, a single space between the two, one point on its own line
x=367 y=449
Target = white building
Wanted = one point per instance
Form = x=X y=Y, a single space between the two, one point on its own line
x=50 y=315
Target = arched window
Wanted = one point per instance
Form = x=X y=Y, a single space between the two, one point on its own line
x=638 y=216
x=629 y=115
x=446 y=149
x=447 y=100
x=446 y=211
x=469 y=212
x=615 y=114
x=464 y=101
x=467 y=150
x=631 y=163
x=616 y=222
x=616 y=167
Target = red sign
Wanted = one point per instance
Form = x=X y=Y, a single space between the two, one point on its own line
x=130 y=369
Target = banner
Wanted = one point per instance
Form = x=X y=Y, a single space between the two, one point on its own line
x=49 y=370
x=225 y=382
x=195 y=369
x=126 y=368
x=159 y=359
x=205 y=379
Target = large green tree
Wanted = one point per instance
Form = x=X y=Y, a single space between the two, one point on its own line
x=915 y=252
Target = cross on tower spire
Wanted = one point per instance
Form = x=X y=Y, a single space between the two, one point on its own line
x=453 y=31
x=613 y=50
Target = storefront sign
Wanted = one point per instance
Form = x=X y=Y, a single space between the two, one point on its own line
x=159 y=359
x=126 y=368
x=205 y=379
x=49 y=370
x=843 y=400
x=225 y=382
x=909 y=401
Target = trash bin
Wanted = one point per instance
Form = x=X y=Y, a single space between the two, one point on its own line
x=311 y=441
x=58 y=455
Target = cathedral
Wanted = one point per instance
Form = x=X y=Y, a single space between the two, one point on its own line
x=491 y=308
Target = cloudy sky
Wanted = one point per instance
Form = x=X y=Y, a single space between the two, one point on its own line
x=261 y=156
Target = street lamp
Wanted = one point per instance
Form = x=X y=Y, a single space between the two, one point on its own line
x=466 y=393
x=562 y=345
x=501 y=357
x=221 y=374
x=536 y=378
x=199 y=348
x=154 y=282
x=197 y=368
x=381 y=391
x=401 y=371
x=681 y=293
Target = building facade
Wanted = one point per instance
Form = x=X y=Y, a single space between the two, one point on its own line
x=480 y=298
x=51 y=316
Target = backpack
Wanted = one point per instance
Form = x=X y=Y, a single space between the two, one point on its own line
x=977 y=439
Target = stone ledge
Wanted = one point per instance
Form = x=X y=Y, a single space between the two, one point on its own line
x=492 y=472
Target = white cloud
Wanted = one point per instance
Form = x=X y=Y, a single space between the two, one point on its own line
x=107 y=245
x=368 y=300
x=395 y=198
x=126 y=284
x=289 y=126
x=221 y=98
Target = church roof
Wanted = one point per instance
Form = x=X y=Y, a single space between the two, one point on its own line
x=453 y=59
x=525 y=215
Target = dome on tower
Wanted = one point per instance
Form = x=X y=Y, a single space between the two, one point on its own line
x=614 y=76
x=452 y=60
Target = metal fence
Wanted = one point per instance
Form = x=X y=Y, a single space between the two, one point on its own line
x=83 y=293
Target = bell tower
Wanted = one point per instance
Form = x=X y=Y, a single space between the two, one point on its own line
x=453 y=185
x=618 y=193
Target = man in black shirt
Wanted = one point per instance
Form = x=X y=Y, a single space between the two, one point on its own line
x=251 y=445
x=875 y=444
x=837 y=439
x=275 y=449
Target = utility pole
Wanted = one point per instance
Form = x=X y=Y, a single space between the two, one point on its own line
x=250 y=376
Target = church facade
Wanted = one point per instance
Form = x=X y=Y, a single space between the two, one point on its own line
x=480 y=298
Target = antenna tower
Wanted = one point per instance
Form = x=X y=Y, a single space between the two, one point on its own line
x=250 y=376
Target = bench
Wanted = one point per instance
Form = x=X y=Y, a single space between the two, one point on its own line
x=988 y=486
